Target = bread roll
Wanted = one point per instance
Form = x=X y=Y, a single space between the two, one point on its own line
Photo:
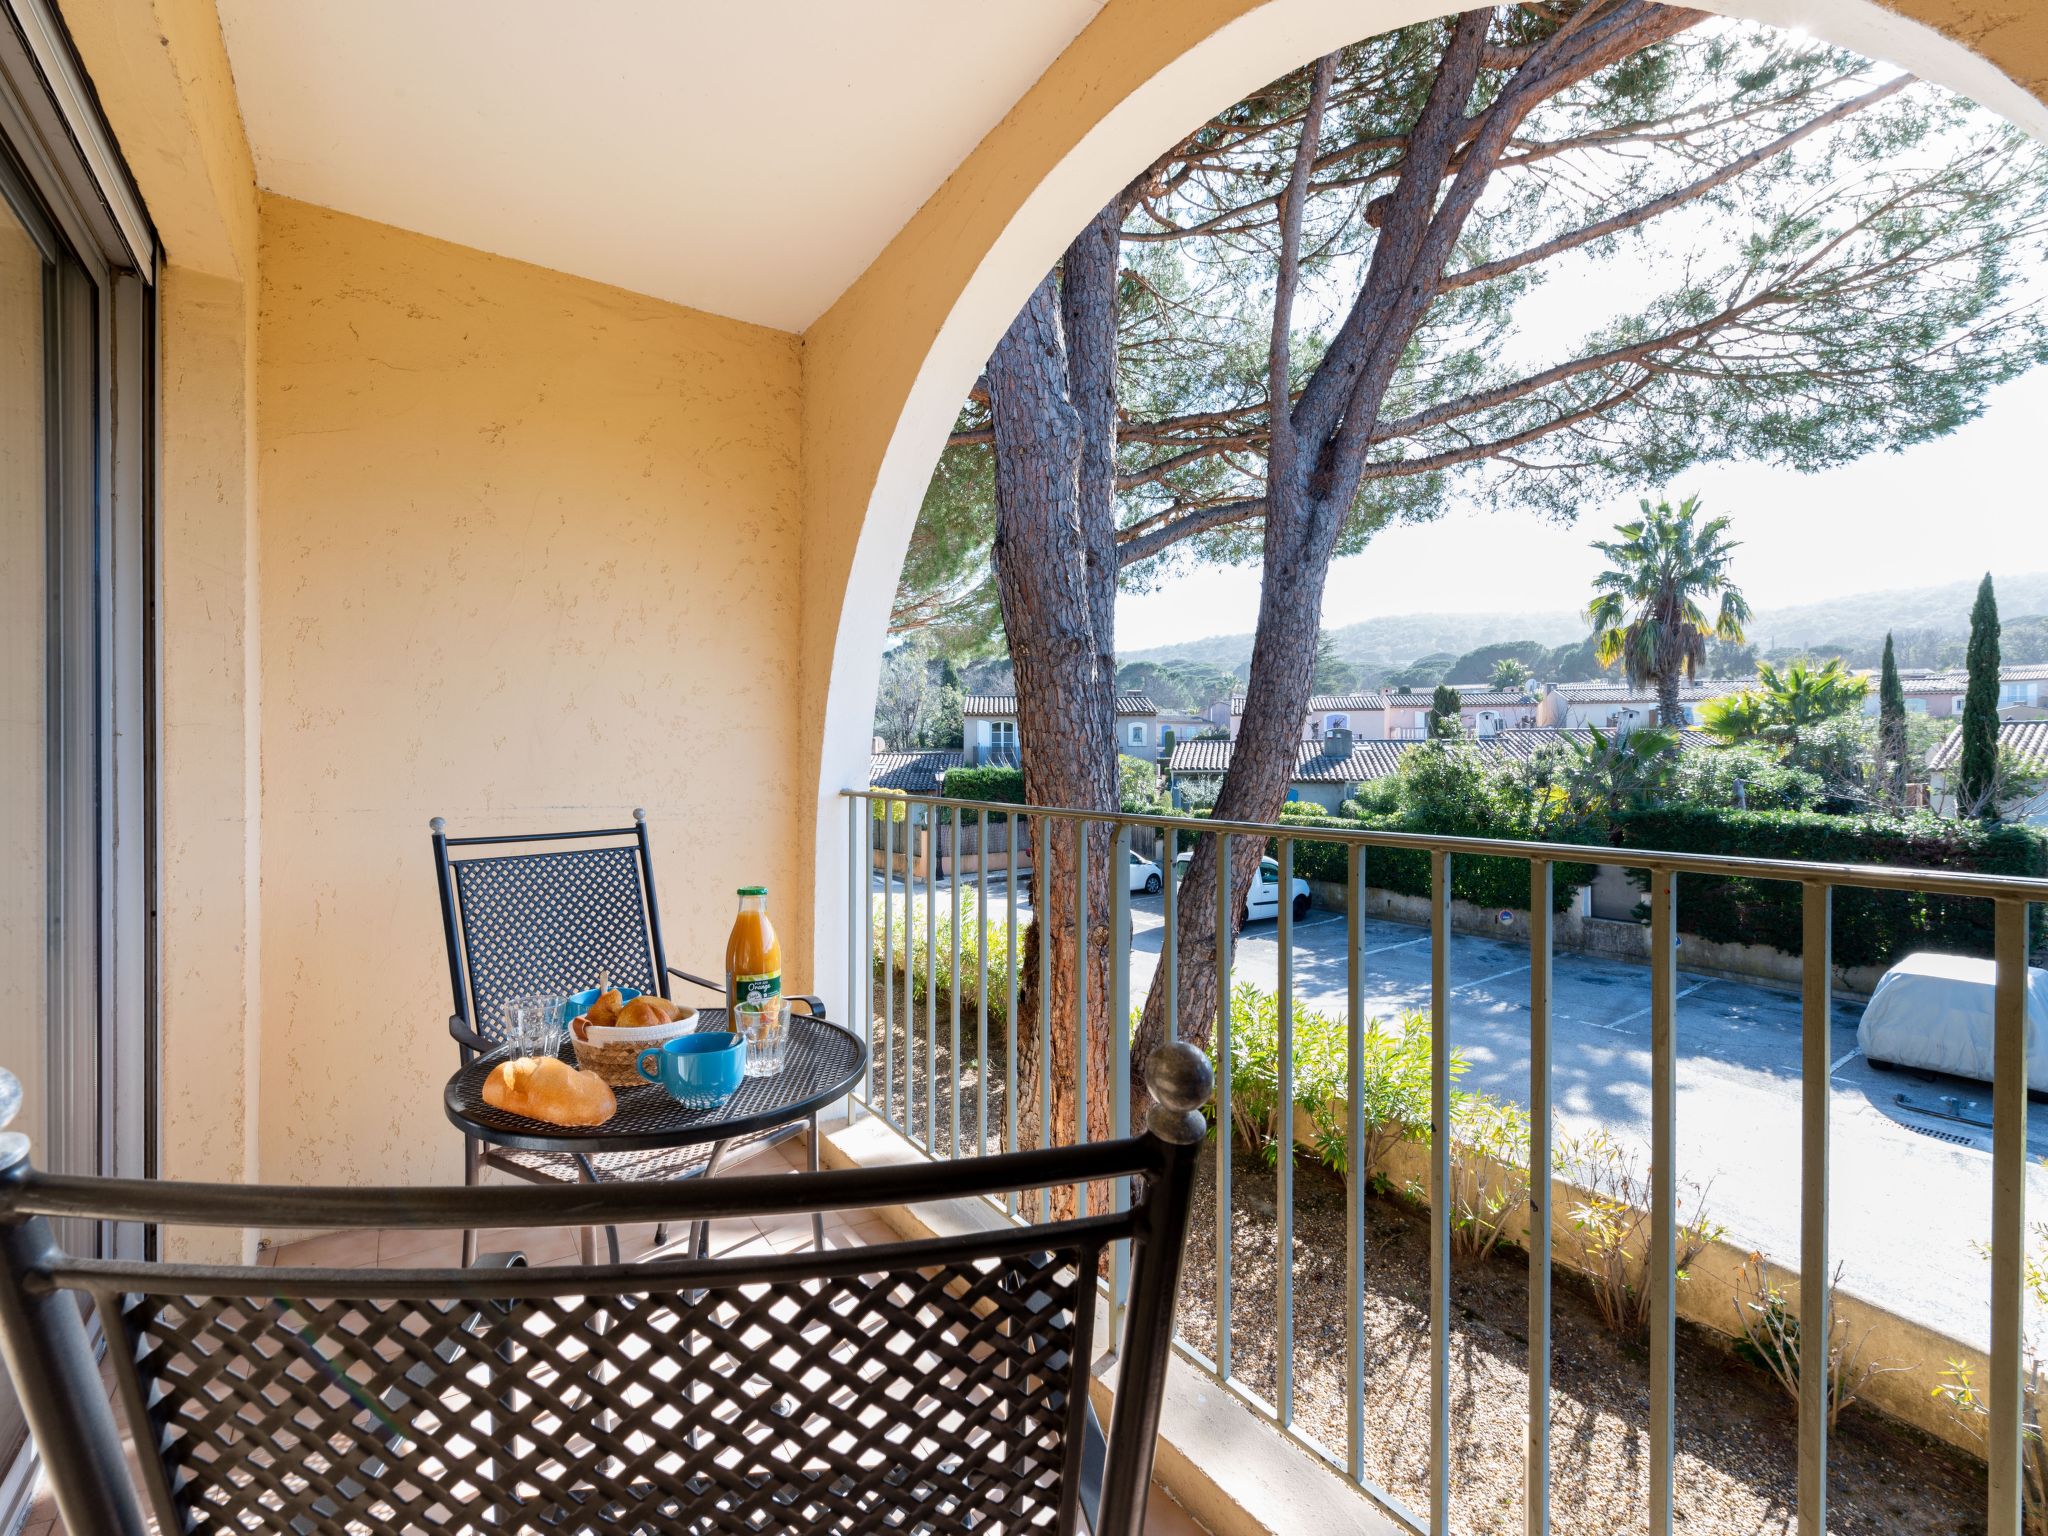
x=548 y=1089
x=606 y=1008
x=642 y=1013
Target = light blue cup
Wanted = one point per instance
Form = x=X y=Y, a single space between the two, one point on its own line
x=702 y=1070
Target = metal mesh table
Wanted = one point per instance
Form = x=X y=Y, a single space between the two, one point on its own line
x=824 y=1061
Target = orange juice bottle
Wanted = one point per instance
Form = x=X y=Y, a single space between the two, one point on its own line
x=753 y=955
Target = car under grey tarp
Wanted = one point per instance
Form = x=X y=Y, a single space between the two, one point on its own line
x=1934 y=1012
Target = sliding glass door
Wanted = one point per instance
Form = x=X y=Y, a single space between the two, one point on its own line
x=76 y=827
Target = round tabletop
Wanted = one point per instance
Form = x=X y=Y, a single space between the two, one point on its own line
x=824 y=1061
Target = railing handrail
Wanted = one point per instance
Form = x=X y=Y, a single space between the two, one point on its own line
x=1925 y=881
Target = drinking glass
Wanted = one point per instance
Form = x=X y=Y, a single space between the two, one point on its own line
x=766 y=1027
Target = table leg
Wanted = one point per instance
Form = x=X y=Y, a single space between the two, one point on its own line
x=817 y=1217
x=586 y=1237
x=700 y=1234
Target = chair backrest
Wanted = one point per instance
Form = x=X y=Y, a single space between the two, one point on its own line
x=937 y=1385
x=518 y=922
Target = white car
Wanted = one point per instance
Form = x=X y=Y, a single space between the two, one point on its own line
x=1263 y=900
x=1934 y=1012
x=1146 y=877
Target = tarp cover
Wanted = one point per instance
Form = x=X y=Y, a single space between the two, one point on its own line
x=1934 y=1011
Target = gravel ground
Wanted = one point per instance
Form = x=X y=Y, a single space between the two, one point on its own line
x=1737 y=1433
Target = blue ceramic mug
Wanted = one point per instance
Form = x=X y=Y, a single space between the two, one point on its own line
x=702 y=1070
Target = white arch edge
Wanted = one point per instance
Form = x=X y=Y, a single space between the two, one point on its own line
x=1236 y=58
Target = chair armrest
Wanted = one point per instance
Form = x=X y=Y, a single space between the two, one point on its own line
x=465 y=1036
x=814 y=1005
x=697 y=981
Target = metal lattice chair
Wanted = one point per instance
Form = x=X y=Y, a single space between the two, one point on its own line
x=522 y=922
x=933 y=1386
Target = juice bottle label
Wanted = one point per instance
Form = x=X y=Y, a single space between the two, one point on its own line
x=764 y=988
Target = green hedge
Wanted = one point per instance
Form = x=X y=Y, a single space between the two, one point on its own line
x=1004 y=786
x=1485 y=882
x=1870 y=927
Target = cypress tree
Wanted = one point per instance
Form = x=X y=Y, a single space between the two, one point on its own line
x=1891 y=733
x=1977 y=765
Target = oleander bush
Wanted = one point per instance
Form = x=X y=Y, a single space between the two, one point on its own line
x=931 y=964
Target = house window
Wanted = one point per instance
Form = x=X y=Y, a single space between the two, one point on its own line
x=1340 y=723
x=1136 y=733
x=1002 y=735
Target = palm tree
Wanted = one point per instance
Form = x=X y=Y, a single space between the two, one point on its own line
x=1803 y=696
x=1646 y=612
x=1784 y=704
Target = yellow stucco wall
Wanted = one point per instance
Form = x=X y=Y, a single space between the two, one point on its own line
x=525 y=564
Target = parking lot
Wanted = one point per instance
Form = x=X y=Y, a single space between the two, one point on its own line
x=1911 y=1187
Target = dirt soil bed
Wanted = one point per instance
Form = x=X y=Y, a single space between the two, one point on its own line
x=1737 y=1432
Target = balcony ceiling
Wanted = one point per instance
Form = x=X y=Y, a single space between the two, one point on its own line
x=748 y=159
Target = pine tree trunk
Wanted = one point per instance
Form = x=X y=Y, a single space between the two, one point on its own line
x=1049 y=554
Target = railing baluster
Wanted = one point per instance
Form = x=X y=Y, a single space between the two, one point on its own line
x=1080 y=1001
x=1355 y=1171
x=1223 y=1105
x=953 y=989
x=931 y=984
x=1119 y=1056
x=909 y=975
x=1047 y=827
x=858 y=1011
x=1284 y=1095
x=1816 y=970
x=2005 y=1382
x=1169 y=941
x=889 y=963
x=1440 y=1193
x=981 y=984
x=1011 y=963
x=1663 y=1193
x=1536 y=1486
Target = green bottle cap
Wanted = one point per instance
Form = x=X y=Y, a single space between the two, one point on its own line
x=753 y=890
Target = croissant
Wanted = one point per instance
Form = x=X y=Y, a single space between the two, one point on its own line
x=547 y=1088
x=606 y=1008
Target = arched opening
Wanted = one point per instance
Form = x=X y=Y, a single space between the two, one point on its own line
x=1489 y=722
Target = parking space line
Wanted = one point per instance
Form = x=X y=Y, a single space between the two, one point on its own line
x=1496 y=976
x=1616 y=1023
x=1845 y=1061
x=1381 y=949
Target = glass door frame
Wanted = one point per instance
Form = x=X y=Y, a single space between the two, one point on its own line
x=63 y=176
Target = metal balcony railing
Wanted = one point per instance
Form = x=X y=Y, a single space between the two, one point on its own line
x=901 y=1075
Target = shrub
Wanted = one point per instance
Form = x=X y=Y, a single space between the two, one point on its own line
x=1489 y=1172
x=931 y=972
x=1395 y=1087
x=1005 y=786
x=1486 y=882
x=1610 y=1226
x=1870 y=927
x=1770 y=1338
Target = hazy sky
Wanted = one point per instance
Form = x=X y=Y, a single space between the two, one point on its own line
x=1939 y=512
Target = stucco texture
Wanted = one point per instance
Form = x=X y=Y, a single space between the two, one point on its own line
x=526 y=565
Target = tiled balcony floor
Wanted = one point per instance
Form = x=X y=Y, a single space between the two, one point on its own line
x=559 y=1246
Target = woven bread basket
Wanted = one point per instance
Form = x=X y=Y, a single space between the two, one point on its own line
x=618 y=1061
